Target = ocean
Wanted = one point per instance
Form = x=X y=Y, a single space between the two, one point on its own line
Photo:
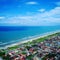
x=14 y=34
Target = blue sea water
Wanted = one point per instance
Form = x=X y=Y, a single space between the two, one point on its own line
x=13 y=34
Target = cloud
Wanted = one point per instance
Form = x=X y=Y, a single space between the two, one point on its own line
x=41 y=10
x=51 y=17
x=31 y=3
x=1 y=17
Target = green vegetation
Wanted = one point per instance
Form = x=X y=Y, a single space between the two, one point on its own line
x=13 y=47
x=44 y=38
x=30 y=57
x=6 y=57
x=2 y=53
x=50 y=55
x=23 y=52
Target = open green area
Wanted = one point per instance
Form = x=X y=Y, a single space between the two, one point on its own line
x=42 y=39
x=13 y=47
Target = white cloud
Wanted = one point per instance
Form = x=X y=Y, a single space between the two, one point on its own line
x=51 y=17
x=31 y=3
x=1 y=17
x=41 y=10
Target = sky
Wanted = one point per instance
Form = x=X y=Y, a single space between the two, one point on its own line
x=29 y=12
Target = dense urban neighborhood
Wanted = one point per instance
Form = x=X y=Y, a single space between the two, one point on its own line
x=45 y=48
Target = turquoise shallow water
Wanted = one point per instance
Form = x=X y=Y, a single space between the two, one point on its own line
x=9 y=35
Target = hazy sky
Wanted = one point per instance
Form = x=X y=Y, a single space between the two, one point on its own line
x=29 y=12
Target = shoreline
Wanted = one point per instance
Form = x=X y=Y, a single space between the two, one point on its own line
x=30 y=40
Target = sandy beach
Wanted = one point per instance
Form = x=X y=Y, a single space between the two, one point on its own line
x=25 y=41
